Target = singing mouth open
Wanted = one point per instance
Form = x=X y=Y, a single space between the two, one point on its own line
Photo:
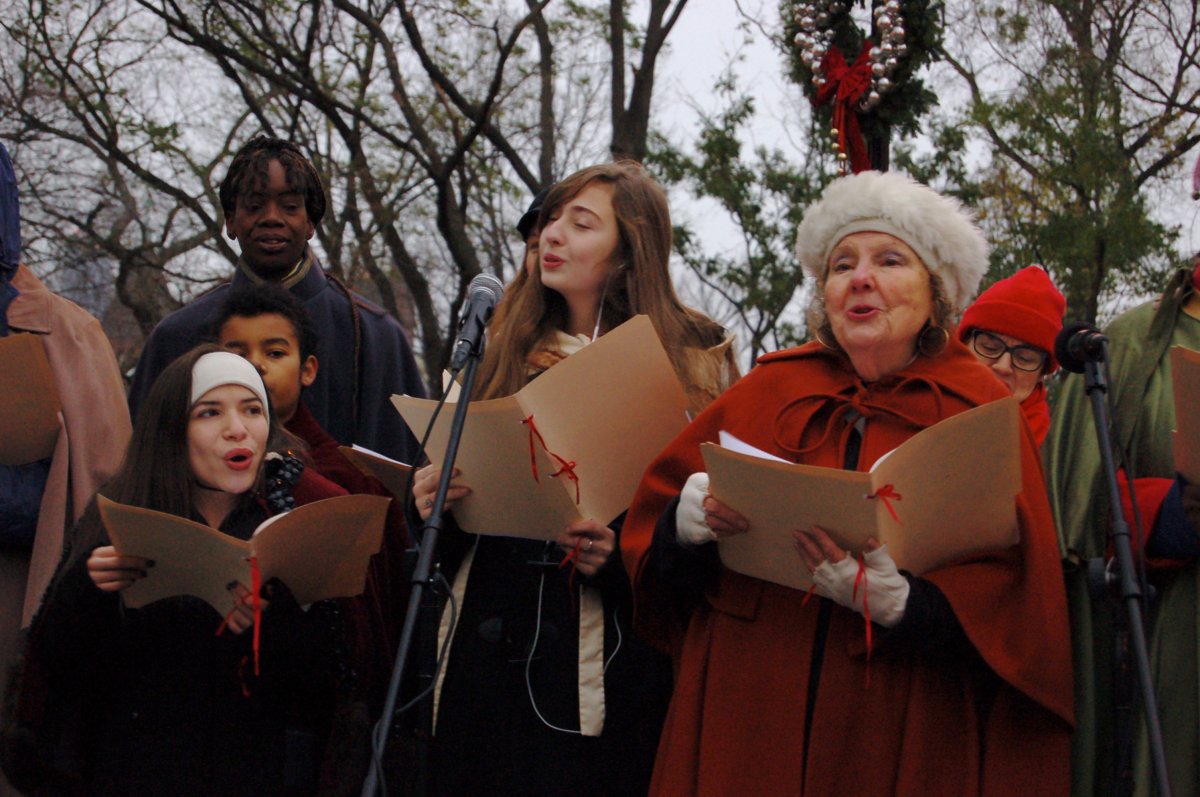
x=239 y=459
x=862 y=311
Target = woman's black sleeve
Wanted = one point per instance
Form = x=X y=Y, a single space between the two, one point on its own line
x=929 y=625
x=687 y=571
x=77 y=621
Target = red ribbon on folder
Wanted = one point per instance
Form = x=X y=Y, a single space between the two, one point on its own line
x=566 y=467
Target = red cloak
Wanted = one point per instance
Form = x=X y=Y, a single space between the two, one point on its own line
x=995 y=720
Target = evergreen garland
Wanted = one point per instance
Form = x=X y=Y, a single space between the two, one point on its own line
x=901 y=108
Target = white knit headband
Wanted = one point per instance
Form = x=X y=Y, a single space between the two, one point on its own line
x=219 y=368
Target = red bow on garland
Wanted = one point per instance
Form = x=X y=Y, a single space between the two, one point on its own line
x=845 y=86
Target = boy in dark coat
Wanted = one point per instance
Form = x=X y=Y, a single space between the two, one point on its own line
x=272 y=199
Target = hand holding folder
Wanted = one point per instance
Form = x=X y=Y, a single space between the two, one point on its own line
x=947 y=492
x=571 y=444
x=320 y=550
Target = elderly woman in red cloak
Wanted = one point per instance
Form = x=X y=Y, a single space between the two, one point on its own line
x=969 y=687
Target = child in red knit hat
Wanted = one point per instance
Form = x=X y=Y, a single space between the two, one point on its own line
x=1011 y=328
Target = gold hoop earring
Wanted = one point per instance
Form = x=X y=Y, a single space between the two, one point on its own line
x=820 y=335
x=932 y=340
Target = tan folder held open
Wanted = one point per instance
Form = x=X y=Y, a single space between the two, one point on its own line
x=319 y=550
x=952 y=488
x=571 y=444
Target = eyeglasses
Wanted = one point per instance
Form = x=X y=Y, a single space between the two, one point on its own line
x=1025 y=358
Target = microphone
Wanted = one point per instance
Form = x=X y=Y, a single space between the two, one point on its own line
x=1078 y=344
x=483 y=294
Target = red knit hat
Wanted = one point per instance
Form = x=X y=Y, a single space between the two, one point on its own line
x=1026 y=306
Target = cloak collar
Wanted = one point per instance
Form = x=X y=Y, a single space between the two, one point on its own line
x=309 y=285
x=913 y=395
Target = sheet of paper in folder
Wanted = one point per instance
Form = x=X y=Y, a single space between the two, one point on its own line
x=948 y=491
x=392 y=473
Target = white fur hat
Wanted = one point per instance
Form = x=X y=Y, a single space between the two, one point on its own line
x=938 y=228
x=218 y=368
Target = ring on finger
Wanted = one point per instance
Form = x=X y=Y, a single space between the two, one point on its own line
x=590 y=543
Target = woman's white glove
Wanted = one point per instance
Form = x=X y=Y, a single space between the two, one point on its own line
x=886 y=589
x=691 y=527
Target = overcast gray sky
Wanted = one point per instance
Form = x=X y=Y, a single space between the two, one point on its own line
x=710 y=33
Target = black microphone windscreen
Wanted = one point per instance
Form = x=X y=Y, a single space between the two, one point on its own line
x=1062 y=346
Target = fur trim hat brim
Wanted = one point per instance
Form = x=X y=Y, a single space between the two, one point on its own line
x=938 y=228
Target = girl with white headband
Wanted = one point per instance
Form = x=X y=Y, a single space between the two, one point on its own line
x=150 y=700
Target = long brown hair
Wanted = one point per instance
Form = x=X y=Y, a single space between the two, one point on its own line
x=639 y=283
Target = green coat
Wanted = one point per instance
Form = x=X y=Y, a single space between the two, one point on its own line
x=1143 y=413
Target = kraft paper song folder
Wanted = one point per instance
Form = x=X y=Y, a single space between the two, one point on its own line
x=609 y=409
x=392 y=473
x=1185 y=378
x=30 y=425
x=956 y=483
x=320 y=550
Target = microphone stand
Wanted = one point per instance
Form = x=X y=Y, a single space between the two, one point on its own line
x=1125 y=578
x=422 y=581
